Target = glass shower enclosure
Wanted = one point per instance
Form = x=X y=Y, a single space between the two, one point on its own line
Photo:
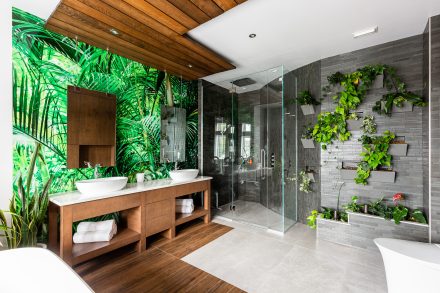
x=249 y=147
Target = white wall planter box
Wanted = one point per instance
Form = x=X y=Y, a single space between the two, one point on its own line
x=398 y=149
x=308 y=109
x=375 y=176
x=362 y=229
x=354 y=125
x=348 y=174
x=378 y=82
x=308 y=143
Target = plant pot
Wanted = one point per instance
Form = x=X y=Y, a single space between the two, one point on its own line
x=382 y=176
x=378 y=82
x=311 y=176
x=398 y=149
x=406 y=107
x=308 y=109
x=375 y=176
x=354 y=125
x=308 y=143
x=348 y=174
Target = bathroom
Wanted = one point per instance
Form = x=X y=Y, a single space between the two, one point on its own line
x=171 y=146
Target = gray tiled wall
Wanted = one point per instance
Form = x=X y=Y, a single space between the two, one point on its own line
x=435 y=129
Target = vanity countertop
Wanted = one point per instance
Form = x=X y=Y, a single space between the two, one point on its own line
x=75 y=197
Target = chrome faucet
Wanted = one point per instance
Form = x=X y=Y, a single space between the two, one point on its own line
x=96 y=174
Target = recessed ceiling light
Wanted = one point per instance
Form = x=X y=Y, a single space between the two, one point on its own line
x=190 y=65
x=252 y=36
x=365 y=32
x=113 y=31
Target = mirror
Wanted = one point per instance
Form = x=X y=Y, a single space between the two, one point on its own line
x=172 y=134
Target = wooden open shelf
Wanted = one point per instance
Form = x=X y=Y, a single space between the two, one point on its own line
x=85 y=251
x=197 y=213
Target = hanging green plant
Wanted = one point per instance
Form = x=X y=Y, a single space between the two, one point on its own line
x=306 y=98
x=305 y=182
x=398 y=97
x=375 y=154
x=332 y=125
x=368 y=125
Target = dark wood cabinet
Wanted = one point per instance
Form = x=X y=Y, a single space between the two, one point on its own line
x=91 y=127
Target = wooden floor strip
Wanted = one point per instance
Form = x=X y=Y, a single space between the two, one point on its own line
x=160 y=268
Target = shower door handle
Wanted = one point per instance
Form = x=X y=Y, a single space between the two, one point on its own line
x=263 y=155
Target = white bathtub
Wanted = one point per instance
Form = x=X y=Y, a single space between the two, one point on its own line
x=410 y=266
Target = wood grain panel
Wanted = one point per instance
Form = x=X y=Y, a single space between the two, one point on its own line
x=152 y=32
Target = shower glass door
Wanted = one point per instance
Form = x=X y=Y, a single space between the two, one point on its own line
x=257 y=152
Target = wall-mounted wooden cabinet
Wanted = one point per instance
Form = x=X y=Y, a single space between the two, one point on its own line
x=91 y=128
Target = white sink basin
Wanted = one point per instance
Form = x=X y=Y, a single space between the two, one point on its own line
x=184 y=175
x=101 y=185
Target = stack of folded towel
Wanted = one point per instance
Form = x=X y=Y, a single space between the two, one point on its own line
x=184 y=206
x=95 y=231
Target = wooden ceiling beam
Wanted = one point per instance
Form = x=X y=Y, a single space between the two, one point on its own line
x=134 y=56
x=153 y=32
x=89 y=33
x=105 y=24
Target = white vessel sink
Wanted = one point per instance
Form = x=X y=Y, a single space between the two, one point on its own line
x=184 y=175
x=101 y=185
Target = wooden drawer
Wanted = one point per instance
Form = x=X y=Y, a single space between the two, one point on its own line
x=190 y=188
x=159 y=195
x=158 y=209
x=158 y=216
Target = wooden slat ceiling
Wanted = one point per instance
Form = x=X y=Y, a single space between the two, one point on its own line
x=152 y=32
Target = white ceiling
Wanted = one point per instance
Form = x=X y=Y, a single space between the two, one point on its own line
x=294 y=33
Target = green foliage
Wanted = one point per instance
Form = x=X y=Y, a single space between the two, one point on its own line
x=399 y=213
x=27 y=208
x=368 y=125
x=399 y=95
x=327 y=213
x=417 y=216
x=343 y=216
x=311 y=220
x=306 y=98
x=378 y=208
x=353 y=205
x=329 y=127
x=307 y=132
x=375 y=154
x=304 y=182
x=45 y=63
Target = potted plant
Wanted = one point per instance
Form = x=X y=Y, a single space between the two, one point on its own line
x=27 y=208
x=368 y=125
x=307 y=102
x=305 y=181
x=307 y=138
x=398 y=147
x=375 y=155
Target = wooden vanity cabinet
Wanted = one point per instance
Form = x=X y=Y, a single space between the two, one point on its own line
x=143 y=213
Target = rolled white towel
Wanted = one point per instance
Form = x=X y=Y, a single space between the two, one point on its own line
x=184 y=202
x=94 y=236
x=96 y=226
x=184 y=209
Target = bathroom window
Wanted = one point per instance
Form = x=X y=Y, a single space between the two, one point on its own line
x=246 y=135
x=220 y=140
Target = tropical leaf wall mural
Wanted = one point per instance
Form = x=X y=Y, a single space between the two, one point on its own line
x=45 y=63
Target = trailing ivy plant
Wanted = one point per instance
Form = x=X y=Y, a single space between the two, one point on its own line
x=375 y=154
x=398 y=97
x=353 y=205
x=332 y=125
x=306 y=98
x=368 y=125
x=304 y=182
